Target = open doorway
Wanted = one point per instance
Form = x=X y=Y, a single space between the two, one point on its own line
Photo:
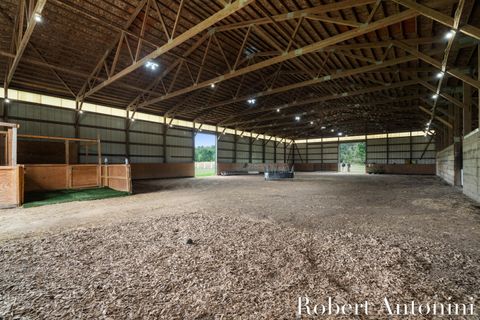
x=205 y=155
x=352 y=157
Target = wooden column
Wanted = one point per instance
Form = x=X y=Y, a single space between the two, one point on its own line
x=165 y=130
x=263 y=149
x=467 y=109
x=250 y=142
x=275 y=151
x=388 y=149
x=457 y=146
x=128 y=123
x=306 y=151
x=411 y=146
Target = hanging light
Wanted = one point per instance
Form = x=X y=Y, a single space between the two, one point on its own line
x=278 y=110
x=311 y=122
x=80 y=111
x=331 y=130
x=450 y=34
x=323 y=128
x=251 y=101
x=340 y=134
x=212 y=85
x=435 y=96
x=151 y=65
x=297 y=118
x=440 y=75
x=7 y=100
x=38 y=17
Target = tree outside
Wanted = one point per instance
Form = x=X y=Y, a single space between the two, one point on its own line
x=205 y=155
x=355 y=154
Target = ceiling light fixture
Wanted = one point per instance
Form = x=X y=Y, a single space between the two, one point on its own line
x=435 y=96
x=278 y=110
x=340 y=134
x=38 y=17
x=212 y=85
x=7 y=100
x=297 y=118
x=332 y=130
x=311 y=122
x=80 y=111
x=151 y=65
x=450 y=34
x=323 y=128
x=440 y=75
x=251 y=101
x=132 y=119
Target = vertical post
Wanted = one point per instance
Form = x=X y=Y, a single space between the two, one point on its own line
x=250 y=148
x=285 y=152
x=366 y=151
x=235 y=137
x=467 y=109
x=263 y=149
x=193 y=140
x=99 y=154
x=67 y=152
x=451 y=111
x=165 y=130
x=275 y=151
x=457 y=146
x=14 y=146
x=321 y=155
x=411 y=147
x=306 y=151
x=127 y=137
x=388 y=149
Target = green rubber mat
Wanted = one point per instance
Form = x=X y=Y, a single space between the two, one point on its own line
x=36 y=199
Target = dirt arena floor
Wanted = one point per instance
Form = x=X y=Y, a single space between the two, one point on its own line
x=256 y=247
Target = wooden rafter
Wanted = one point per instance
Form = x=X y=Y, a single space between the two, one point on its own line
x=23 y=37
x=317 y=46
x=225 y=12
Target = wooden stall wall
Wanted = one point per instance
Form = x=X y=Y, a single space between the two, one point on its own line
x=162 y=170
x=41 y=177
x=11 y=186
x=117 y=177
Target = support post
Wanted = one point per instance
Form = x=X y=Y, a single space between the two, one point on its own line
x=235 y=138
x=275 y=151
x=250 y=149
x=467 y=109
x=165 y=130
x=457 y=147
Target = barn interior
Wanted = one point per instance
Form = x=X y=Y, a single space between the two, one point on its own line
x=225 y=159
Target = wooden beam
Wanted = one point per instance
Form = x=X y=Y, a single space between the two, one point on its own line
x=317 y=80
x=440 y=17
x=293 y=15
x=437 y=64
x=314 y=47
x=446 y=123
x=190 y=33
x=32 y=22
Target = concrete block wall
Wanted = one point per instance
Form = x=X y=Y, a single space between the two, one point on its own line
x=445 y=164
x=471 y=165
